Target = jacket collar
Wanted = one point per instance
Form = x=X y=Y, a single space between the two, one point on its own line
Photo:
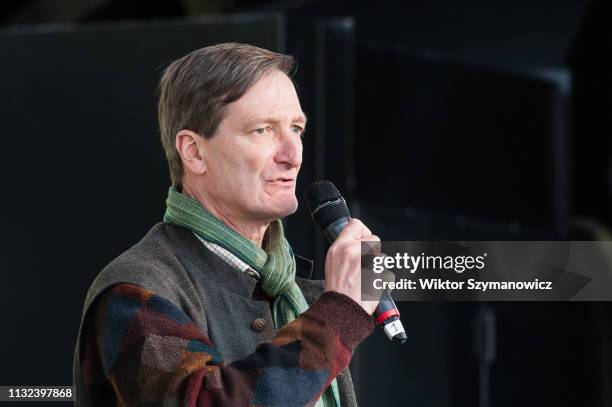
x=303 y=267
x=217 y=270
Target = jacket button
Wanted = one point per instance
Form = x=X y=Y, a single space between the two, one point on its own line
x=258 y=324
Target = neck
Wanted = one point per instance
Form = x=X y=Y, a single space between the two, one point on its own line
x=252 y=230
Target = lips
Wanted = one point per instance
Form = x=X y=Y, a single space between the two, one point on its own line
x=283 y=182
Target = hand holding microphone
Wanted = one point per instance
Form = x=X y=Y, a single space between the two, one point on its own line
x=343 y=262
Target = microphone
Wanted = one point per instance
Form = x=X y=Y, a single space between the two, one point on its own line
x=329 y=211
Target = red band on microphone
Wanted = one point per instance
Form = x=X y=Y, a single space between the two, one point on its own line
x=387 y=314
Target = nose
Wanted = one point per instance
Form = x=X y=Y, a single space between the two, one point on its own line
x=290 y=150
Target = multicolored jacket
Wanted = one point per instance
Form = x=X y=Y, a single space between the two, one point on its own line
x=170 y=323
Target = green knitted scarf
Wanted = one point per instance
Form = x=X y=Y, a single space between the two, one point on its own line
x=275 y=263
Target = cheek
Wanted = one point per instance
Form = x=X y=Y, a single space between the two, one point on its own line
x=253 y=171
x=245 y=164
x=236 y=165
x=260 y=164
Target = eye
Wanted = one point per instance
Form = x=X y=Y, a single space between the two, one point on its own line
x=298 y=130
x=260 y=131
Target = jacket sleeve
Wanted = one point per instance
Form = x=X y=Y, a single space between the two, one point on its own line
x=142 y=349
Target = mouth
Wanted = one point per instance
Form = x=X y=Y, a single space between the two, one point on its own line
x=283 y=181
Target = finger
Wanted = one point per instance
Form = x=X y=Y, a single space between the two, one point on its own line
x=354 y=230
x=387 y=276
x=370 y=246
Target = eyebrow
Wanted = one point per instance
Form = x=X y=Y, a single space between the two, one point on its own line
x=299 y=118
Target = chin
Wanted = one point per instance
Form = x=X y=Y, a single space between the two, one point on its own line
x=284 y=206
x=288 y=207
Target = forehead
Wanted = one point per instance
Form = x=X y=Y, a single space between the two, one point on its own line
x=273 y=95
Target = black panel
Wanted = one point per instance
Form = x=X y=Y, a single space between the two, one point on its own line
x=83 y=172
x=462 y=140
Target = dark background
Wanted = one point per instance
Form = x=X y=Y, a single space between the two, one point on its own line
x=438 y=119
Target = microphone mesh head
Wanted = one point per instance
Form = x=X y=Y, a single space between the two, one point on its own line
x=325 y=203
x=320 y=192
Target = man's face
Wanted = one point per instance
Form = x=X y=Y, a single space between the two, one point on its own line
x=254 y=157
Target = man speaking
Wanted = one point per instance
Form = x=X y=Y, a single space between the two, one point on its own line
x=211 y=307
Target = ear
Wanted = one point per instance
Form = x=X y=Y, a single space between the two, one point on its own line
x=189 y=145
